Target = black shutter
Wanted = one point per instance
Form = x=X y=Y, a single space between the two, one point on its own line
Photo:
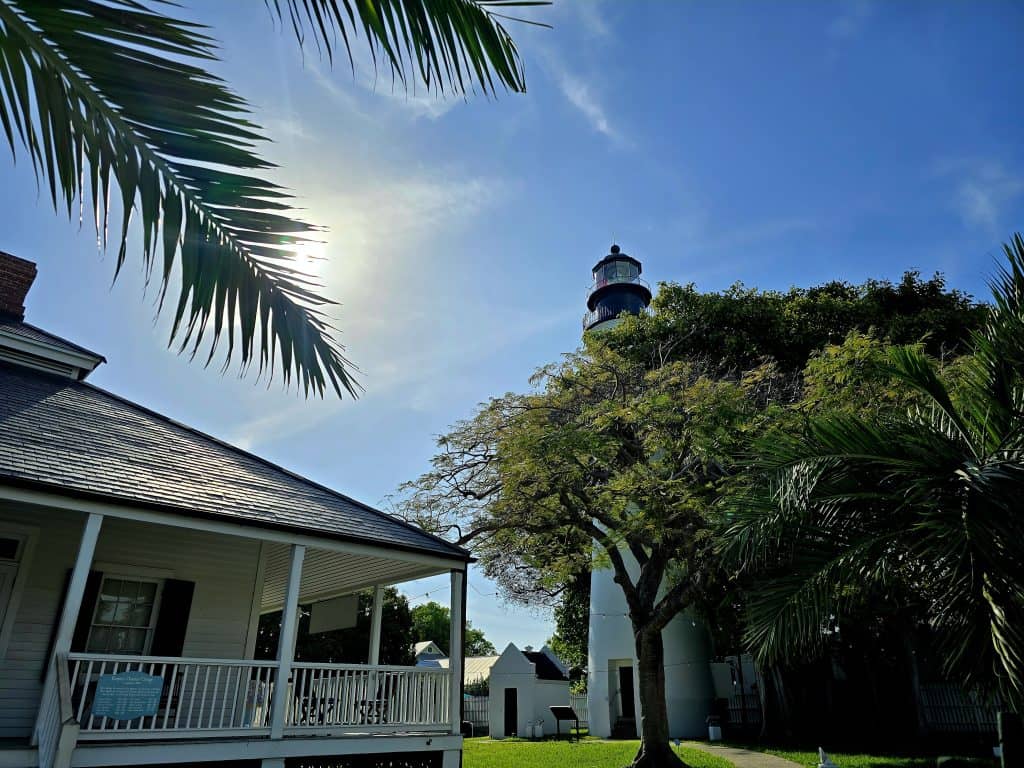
x=175 y=604
x=92 y=590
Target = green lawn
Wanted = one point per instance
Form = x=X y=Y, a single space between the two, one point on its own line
x=589 y=753
x=852 y=760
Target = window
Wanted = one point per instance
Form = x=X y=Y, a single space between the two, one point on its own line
x=9 y=548
x=124 y=616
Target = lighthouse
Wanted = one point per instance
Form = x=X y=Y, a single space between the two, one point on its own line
x=617 y=289
x=613 y=698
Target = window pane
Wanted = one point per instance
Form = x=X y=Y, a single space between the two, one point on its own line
x=111 y=590
x=140 y=615
x=123 y=616
x=98 y=639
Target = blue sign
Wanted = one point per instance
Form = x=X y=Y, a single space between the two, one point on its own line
x=127 y=695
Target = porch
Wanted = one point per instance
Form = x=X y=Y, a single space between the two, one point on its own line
x=224 y=704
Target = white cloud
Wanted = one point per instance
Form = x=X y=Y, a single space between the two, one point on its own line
x=584 y=98
x=593 y=17
x=415 y=101
x=983 y=189
x=852 y=20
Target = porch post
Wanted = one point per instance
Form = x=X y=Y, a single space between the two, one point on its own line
x=72 y=603
x=458 y=614
x=375 y=620
x=286 y=644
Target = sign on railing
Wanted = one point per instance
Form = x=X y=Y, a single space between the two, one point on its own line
x=136 y=696
x=127 y=695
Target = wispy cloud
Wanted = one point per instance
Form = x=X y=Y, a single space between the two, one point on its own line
x=416 y=101
x=404 y=326
x=593 y=17
x=982 y=190
x=851 y=20
x=581 y=95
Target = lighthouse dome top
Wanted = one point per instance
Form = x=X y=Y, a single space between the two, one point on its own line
x=616 y=256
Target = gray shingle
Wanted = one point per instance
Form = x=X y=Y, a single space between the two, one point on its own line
x=75 y=437
x=28 y=331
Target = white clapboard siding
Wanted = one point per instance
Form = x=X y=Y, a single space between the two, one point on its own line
x=223 y=569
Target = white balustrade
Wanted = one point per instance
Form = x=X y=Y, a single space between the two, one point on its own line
x=213 y=696
x=219 y=697
x=358 y=697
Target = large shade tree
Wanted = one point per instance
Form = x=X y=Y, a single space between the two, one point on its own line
x=612 y=454
x=922 y=499
x=118 y=96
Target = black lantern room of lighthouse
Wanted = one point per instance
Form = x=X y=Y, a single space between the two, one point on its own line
x=617 y=289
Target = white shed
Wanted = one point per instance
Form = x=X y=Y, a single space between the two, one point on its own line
x=523 y=685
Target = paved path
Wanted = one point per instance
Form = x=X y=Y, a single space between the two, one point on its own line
x=743 y=758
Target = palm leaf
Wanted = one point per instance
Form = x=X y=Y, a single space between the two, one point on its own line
x=445 y=44
x=110 y=94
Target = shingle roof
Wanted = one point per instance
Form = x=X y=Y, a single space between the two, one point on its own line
x=75 y=438
x=25 y=330
x=546 y=668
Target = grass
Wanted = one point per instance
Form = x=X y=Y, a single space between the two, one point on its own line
x=848 y=760
x=859 y=760
x=588 y=753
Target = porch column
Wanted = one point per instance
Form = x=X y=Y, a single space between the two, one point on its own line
x=375 y=620
x=455 y=663
x=72 y=603
x=286 y=644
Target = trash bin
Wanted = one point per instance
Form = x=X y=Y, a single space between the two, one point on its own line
x=714 y=727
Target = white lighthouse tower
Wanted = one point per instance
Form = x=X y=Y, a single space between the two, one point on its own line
x=613 y=699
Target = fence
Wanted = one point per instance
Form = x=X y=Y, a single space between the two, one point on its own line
x=475 y=711
x=579 y=704
x=950 y=709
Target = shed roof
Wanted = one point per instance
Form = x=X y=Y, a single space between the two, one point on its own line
x=74 y=438
x=546 y=668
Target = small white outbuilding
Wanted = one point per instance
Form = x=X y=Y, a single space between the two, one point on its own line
x=523 y=684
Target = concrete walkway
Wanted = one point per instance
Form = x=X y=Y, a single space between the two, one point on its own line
x=743 y=758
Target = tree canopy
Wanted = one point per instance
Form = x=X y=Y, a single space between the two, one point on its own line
x=433 y=621
x=619 y=456
x=908 y=490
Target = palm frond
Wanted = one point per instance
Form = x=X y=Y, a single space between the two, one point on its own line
x=445 y=44
x=108 y=93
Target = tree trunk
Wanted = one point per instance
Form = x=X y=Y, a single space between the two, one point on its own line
x=655 y=750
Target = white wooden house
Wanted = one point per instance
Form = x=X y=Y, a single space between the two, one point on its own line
x=136 y=557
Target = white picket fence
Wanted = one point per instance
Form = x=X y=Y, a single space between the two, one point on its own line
x=579 y=704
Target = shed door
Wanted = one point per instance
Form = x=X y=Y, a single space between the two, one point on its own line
x=626 y=692
x=511 y=712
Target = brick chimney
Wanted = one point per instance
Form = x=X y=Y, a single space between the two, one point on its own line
x=16 y=277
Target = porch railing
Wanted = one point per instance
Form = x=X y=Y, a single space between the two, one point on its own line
x=198 y=695
x=220 y=697
x=356 y=697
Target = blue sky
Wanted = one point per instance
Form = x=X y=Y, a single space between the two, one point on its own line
x=777 y=144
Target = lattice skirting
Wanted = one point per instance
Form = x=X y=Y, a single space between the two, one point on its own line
x=406 y=760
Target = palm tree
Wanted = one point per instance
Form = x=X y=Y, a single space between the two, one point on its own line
x=112 y=94
x=931 y=498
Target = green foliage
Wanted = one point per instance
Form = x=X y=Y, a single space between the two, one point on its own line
x=516 y=753
x=571 y=616
x=115 y=95
x=432 y=621
x=895 y=501
x=740 y=328
x=347 y=646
